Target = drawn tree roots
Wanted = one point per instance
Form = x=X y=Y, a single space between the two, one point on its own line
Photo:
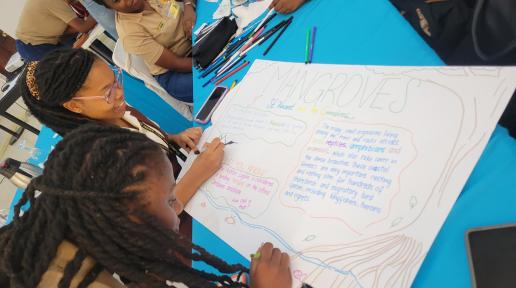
x=385 y=261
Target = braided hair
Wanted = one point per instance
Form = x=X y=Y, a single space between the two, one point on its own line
x=86 y=186
x=46 y=85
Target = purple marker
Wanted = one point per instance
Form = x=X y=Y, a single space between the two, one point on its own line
x=314 y=29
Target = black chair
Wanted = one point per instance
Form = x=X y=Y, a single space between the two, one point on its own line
x=10 y=95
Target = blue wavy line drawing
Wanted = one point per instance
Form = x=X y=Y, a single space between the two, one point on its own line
x=276 y=236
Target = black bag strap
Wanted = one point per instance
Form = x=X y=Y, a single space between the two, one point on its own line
x=474 y=30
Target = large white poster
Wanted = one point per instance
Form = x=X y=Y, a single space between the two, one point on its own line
x=350 y=169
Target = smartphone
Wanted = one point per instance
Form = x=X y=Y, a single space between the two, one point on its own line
x=207 y=109
x=492 y=256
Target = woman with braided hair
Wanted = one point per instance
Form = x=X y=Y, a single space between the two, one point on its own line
x=107 y=205
x=71 y=87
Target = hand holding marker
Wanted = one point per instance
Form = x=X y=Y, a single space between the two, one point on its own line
x=223 y=140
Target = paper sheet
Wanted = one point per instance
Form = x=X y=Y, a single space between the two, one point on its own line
x=352 y=170
x=245 y=12
x=223 y=10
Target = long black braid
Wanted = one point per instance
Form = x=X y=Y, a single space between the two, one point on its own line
x=58 y=76
x=87 y=183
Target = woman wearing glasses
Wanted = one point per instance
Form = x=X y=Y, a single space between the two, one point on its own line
x=72 y=87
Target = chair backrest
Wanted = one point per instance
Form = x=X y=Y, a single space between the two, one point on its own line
x=135 y=66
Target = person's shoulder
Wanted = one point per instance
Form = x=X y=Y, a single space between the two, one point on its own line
x=54 y=4
x=65 y=253
x=127 y=18
x=127 y=24
x=41 y=5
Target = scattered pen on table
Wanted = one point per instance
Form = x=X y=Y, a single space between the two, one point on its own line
x=314 y=29
x=272 y=31
x=278 y=36
x=242 y=66
x=214 y=67
x=262 y=23
x=232 y=64
x=222 y=72
x=230 y=60
x=233 y=85
x=251 y=40
x=307 y=50
x=251 y=47
x=226 y=71
x=268 y=19
x=241 y=45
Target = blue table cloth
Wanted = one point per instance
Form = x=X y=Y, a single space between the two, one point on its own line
x=358 y=32
x=372 y=32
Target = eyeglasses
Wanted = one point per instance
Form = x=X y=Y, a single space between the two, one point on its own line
x=110 y=95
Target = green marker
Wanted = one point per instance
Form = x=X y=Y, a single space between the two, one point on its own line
x=256 y=255
x=307 y=52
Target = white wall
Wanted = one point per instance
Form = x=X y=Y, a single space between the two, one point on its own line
x=10 y=11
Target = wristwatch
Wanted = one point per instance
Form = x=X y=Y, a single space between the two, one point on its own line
x=190 y=3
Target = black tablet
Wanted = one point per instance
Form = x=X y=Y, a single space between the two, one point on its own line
x=492 y=256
